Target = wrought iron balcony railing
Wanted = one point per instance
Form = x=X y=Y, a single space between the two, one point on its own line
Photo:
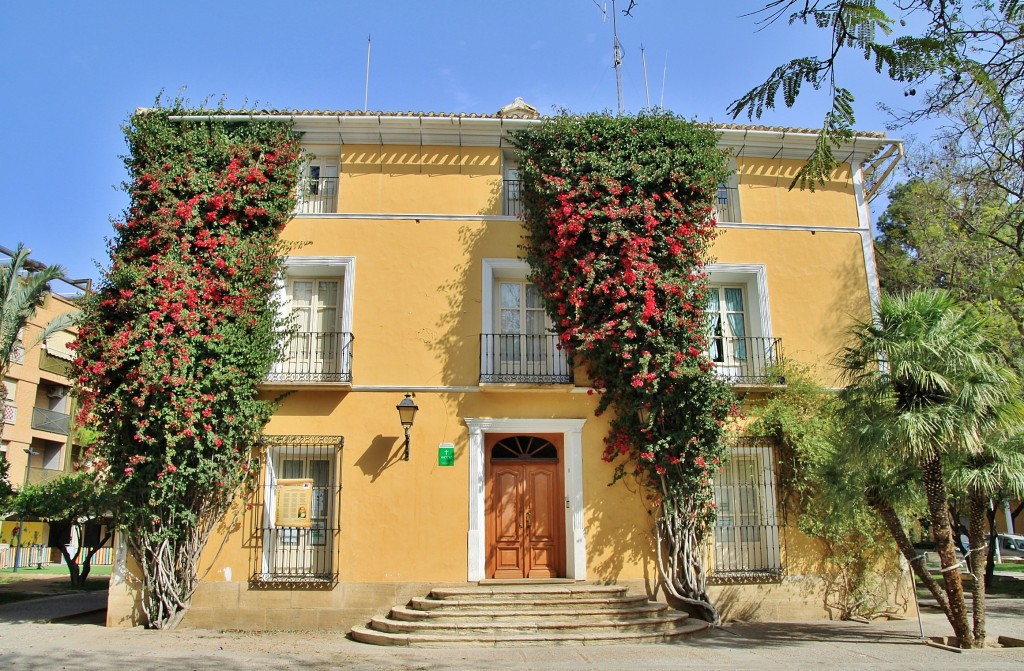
x=511 y=205
x=10 y=413
x=324 y=356
x=51 y=420
x=747 y=360
x=529 y=359
x=318 y=196
x=17 y=354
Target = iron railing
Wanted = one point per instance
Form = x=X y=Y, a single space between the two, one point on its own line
x=51 y=420
x=727 y=204
x=517 y=357
x=318 y=195
x=511 y=204
x=17 y=354
x=747 y=360
x=10 y=413
x=750 y=513
x=317 y=356
x=304 y=555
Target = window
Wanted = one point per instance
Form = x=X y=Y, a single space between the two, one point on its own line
x=740 y=341
x=747 y=529
x=517 y=342
x=727 y=203
x=511 y=205
x=10 y=408
x=318 y=188
x=299 y=511
x=317 y=302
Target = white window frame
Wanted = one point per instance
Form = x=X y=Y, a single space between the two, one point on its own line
x=320 y=205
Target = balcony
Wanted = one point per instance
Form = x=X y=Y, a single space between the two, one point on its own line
x=511 y=204
x=38 y=476
x=51 y=420
x=318 y=195
x=17 y=354
x=314 y=357
x=54 y=365
x=747 y=361
x=10 y=413
x=523 y=359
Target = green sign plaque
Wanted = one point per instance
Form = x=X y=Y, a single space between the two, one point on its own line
x=446 y=454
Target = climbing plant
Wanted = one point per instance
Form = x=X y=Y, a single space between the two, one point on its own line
x=619 y=215
x=181 y=331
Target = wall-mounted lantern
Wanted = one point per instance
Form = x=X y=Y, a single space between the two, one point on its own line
x=643 y=413
x=406 y=414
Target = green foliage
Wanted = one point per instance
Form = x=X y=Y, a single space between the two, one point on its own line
x=829 y=488
x=181 y=332
x=6 y=491
x=619 y=215
x=964 y=53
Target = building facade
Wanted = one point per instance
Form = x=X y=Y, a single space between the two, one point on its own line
x=39 y=441
x=406 y=279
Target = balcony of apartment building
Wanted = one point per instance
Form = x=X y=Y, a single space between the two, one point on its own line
x=51 y=413
x=321 y=358
x=523 y=359
x=46 y=460
x=747 y=361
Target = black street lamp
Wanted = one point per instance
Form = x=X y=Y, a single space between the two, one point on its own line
x=406 y=414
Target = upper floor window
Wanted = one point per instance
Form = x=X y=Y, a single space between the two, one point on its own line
x=317 y=304
x=517 y=342
x=727 y=200
x=740 y=341
x=318 y=188
x=511 y=204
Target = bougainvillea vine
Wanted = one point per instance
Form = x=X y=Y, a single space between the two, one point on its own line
x=619 y=213
x=182 y=330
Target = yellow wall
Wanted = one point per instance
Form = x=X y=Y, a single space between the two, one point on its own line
x=765 y=196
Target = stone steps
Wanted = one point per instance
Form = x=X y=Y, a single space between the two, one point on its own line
x=526 y=614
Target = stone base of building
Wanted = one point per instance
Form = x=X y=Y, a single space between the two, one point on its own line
x=236 y=605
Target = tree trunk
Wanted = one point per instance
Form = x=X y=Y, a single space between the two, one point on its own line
x=942 y=535
x=72 y=563
x=990 y=556
x=916 y=560
x=977 y=506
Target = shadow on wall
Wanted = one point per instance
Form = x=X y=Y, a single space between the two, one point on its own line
x=458 y=341
x=617 y=535
x=382 y=453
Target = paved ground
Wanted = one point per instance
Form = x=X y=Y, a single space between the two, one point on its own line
x=82 y=643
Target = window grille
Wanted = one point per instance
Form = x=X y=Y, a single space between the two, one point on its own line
x=304 y=551
x=748 y=529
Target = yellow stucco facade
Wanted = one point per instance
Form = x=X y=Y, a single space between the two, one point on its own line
x=401 y=241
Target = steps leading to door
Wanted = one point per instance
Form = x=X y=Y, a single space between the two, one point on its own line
x=518 y=613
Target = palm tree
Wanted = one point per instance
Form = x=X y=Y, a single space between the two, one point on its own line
x=23 y=287
x=997 y=472
x=925 y=381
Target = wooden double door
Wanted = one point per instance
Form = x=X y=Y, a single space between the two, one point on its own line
x=525 y=518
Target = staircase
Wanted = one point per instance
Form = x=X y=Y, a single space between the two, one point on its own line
x=516 y=613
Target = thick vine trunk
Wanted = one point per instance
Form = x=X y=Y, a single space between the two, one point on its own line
x=990 y=556
x=942 y=535
x=978 y=505
x=906 y=547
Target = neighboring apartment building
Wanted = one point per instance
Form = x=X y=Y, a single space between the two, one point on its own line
x=409 y=281
x=39 y=441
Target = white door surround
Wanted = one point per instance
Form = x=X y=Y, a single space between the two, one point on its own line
x=575 y=540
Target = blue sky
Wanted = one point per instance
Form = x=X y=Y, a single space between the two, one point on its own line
x=73 y=71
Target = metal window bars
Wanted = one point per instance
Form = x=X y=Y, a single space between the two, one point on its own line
x=511 y=203
x=747 y=541
x=318 y=195
x=306 y=554
x=751 y=361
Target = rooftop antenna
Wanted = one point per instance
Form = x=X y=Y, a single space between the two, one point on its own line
x=366 y=93
x=647 y=88
x=617 y=57
x=604 y=9
x=664 y=75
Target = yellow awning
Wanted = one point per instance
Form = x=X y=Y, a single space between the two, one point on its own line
x=57 y=345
